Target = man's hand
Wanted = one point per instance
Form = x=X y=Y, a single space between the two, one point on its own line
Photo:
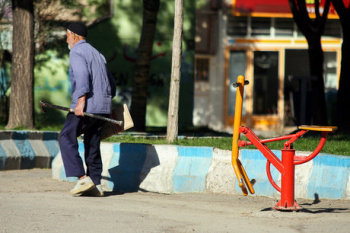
x=79 y=109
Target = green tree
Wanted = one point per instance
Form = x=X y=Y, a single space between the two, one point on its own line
x=22 y=79
x=142 y=66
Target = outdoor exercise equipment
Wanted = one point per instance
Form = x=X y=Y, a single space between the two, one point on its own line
x=286 y=166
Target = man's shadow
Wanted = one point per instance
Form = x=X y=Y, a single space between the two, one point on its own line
x=133 y=164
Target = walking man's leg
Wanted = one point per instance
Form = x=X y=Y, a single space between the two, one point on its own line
x=72 y=161
x=92 y=140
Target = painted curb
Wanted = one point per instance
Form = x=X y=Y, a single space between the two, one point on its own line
x=177 y=169
x=27 y=149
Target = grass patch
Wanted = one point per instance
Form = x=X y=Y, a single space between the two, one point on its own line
x=221 y=143
x=335 y=144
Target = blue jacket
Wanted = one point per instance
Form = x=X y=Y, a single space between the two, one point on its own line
x=89 y=75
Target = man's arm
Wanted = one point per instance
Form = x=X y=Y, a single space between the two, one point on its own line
x=79 y=109
x=81 y=78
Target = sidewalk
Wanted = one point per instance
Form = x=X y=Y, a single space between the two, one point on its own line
x=31 y=201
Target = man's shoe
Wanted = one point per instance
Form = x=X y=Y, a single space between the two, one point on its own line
x=94 y=192
x=100 y=190
x=83 y=185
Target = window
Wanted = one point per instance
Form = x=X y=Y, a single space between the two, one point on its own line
x=284 y=27
x=332 y=28
x=330 y=70
x=242 y=26
x=261 y=26
x=202 y=69
x=265 y=89
x=237 y=26
x=237 y=66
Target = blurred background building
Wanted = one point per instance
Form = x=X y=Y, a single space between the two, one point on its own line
x=258 y=39
x=222 y=40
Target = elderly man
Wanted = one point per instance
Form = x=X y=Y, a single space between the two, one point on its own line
x=93 y=88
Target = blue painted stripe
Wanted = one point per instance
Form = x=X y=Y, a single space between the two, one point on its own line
x=20 y=138
x=202 y=152
x=254 y=164
x=2 y=158
x=191 y=168
x=329 y=177
x=113 y=163
x=126 y=166
x=62 y=169
x=81 y=148
x=64 y=177
x=51 y=142
x=62 y=172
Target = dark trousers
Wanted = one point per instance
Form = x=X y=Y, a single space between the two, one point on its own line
x=75 y=126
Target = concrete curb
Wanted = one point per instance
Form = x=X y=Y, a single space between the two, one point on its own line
x=176 y=169
x=27 y=149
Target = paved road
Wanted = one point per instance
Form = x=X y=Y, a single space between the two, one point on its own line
x=30 y=201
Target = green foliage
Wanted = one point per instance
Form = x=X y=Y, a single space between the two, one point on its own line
x=70 y=4
x=96 y=9
x=200 y=3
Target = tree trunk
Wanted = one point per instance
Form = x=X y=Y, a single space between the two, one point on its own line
x=142 y=66
x=22 y=78
x=312 y=29
x=343 y=99
x=343 y=103
x=172 y=129
x=316 y=58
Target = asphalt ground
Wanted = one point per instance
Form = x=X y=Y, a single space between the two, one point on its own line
x=31 y=201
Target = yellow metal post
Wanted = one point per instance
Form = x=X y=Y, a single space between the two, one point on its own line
x=236 y=163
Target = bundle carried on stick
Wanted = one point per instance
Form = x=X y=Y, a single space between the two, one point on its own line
x=120 y=113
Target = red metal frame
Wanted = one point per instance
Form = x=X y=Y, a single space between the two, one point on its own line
x=286 y=166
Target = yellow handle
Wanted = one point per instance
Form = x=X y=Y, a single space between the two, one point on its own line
x=236 y=163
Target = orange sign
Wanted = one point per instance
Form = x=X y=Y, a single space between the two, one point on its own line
x=273 y=8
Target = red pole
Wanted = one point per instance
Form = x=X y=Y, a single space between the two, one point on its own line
x=287 y=201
